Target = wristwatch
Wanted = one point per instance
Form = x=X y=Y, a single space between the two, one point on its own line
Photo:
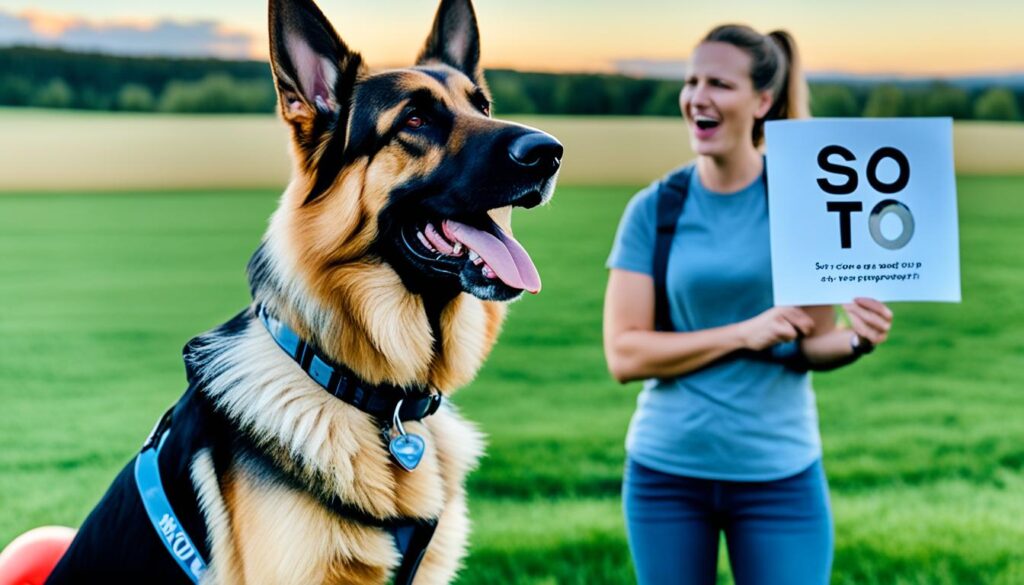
x=860 y=346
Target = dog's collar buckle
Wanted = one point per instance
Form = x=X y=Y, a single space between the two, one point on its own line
x=435 y=403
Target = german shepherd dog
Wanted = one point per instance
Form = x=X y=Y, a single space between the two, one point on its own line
x=389 y=260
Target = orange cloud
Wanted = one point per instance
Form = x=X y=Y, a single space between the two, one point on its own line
x=47 y=24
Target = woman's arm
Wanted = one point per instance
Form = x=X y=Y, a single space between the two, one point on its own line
x=635 y=351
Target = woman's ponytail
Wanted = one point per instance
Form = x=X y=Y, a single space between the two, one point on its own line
x=791 y=98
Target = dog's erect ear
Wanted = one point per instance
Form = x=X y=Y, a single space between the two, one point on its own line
x=315 y=72
x=454 y=39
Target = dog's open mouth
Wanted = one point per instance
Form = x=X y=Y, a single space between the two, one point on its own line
x=475 y=249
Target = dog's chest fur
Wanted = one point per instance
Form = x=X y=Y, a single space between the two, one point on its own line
x=266 y=510
x=270 y=532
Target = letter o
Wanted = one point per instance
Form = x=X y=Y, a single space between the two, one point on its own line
x=875 y=224
x=901 y=180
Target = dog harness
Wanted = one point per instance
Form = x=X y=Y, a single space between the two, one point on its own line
x=389 y=405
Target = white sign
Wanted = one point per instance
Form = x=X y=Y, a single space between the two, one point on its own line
x=862 y=208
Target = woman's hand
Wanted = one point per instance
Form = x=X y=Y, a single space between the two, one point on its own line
x=870 y=319
x=776 y=325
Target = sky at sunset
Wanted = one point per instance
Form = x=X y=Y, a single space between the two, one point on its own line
x=870 y=36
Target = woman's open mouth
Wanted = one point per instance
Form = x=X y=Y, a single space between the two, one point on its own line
x=705 y=126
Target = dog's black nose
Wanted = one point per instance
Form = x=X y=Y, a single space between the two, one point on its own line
x=536 y=150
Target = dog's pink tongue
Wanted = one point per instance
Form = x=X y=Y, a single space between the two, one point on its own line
x=503 y=254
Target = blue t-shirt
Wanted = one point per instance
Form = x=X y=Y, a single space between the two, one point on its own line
x=739 y=419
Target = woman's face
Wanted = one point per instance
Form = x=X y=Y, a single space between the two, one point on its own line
x=719 y=101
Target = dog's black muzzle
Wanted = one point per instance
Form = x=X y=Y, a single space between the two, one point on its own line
x=499 y=165
x=514 y=166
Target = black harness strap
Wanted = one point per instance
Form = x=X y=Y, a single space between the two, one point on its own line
x=412 y=539
x=410 y=535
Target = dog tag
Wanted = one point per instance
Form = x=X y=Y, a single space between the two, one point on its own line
x=407 y=449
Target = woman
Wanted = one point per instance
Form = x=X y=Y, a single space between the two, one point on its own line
x=725 y=435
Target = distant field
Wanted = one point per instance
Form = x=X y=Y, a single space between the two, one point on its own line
x=924 y=441
x=47 y=150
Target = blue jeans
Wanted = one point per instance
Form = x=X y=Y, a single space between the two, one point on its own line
x=777 y=532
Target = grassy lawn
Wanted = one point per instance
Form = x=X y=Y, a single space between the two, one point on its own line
x=924 y=441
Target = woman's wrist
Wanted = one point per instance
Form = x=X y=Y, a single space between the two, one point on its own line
x=737 y=337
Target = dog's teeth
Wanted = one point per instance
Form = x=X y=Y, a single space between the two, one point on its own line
x=423 y=240
x=457 y=251
x=488 y=272
x=473 y=257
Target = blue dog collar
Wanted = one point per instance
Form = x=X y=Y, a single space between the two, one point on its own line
x=383 y=401
x=158 y=508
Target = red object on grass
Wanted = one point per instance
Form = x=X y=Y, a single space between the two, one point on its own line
x=30 y=558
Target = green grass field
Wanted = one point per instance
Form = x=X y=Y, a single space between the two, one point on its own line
x=924 y=441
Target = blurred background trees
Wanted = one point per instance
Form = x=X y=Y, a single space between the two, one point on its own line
x=52 y=78
x=997 y=103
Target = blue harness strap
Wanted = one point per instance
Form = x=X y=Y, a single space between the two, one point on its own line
x=158 y=508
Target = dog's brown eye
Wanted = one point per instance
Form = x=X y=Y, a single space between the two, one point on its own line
x=482 y=104
x=414 y=122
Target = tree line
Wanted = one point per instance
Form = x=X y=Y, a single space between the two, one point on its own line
x=890 y=100
x=52 y=78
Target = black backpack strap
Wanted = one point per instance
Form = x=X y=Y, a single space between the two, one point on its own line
x=672 y=192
